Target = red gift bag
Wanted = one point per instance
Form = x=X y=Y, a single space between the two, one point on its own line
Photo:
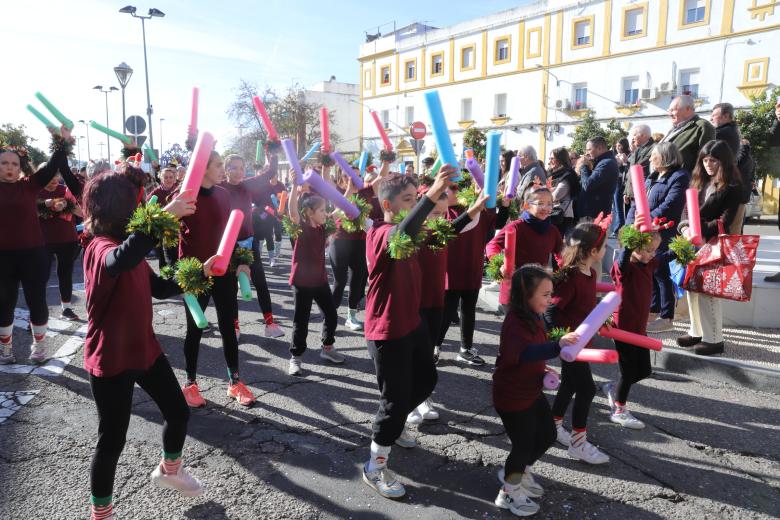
x=723 y=267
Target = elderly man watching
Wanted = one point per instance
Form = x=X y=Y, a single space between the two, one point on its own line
x=641 y=139
x=530 y=170
x=689 y=132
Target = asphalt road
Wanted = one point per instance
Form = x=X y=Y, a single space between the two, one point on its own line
x=709 y=450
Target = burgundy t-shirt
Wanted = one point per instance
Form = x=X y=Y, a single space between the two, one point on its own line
x=308 y=260
x=466 y=252
x=393 y=298
x=516 y=385
x=574 y=298
x=163 y=195
x=59 y=228
x=19 y=226
x=367 y=194
x=635 y=286
x=201 y=232
x=241 y=198
x=433 y=266
x=530 y=248
x=119 y=333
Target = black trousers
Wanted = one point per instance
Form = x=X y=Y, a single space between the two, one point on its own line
x=577 y=382
x=114 y=399
x=348 y=256
x=258 y=278
x=468 y=315
x=226 y=305
x=406 y=376
x=28 y=267
x=267 y=228
x=65 y=254
x=531 y=432
x=432 y=320
x=634 y=363
x=303 y=298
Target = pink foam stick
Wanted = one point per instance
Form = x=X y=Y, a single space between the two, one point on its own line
x=292 y=157
x=640 y=196
x=194 y=113
x=357 y=182
x=638 y=340
x=591 y=325
x=510 y=241
x=381 y=129
x=329 y=192
x=551 y=380
x=196 y=169
x=604 y=287
x=228 y=242
x=594 y=355
x=324 y=130
x=694 y=217
x=269 y=126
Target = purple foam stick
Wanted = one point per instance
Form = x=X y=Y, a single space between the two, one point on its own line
x=347 y=168
x=591 y=325
x=472 y=165
x=292 y=158
x=329 y=192
x=514 y=179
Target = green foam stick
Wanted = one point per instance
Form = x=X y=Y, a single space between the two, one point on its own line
x=436 y=167
x=111 y=133
x=59 y=116
x=243 y=283
x=150 y=153
x=42 y=118
x=259 y=151
x=152 y=200
x=197 y=313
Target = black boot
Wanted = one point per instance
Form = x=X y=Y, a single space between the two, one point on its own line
x=688 y=341
x=708 y=349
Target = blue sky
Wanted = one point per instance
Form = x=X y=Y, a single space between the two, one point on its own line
x=67 y=48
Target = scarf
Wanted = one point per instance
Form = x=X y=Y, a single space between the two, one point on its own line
x=538 y=225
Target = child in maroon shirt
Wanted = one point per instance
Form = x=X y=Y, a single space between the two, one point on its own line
x=164 y=193
x=405 y=372
x=309 y=280
x=517 y=386
x=120 y=348
x=573 y=300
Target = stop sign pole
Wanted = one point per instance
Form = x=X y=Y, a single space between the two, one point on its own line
x=418 y=130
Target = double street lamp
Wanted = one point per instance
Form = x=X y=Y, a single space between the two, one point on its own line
x=106 y=92
x=123 y=73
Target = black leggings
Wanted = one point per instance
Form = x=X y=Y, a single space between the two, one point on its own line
x=30 y=268
x=431 y=320
x=267 y=228
x=348 y=255
x=634 y=366
x=114 y=399
x=303 y=297
x=258 y=278
x=406 y=376
x=66 y=254
x=224 y=294
x=575 y=379
x=468 y=315
x=531 y=432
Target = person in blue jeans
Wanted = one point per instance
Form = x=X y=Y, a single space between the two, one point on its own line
x=619 y=209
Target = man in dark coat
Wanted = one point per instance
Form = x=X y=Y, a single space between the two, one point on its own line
x=689 y=132
x=598 y=172
x=642 y=145
x=726 y=129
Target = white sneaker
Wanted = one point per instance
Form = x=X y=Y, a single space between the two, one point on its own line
x=493 y=287
x=352 y=322
x=272 y=262
x=273 y=330
x=329 y=353
x=427 y=411
x=38 y=353
x=530 y=487
x=414 y=417
x=7 y=355
x=295 y=366
x=626 y=420
x=406 y=440
x=587 y=452
x=659 y=325
x=383 y=482
x=436 y=354
x=564 y=436
x=182 y=481
x=514 y=498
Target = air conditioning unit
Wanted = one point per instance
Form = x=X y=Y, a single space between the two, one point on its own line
x=646 y=93
x=563 y=104
x=666 y=86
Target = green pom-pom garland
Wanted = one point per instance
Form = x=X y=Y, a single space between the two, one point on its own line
x=683 y=249
x=401 y=246
x=292 y=229
x=189 y=276
x=556 y=333
x=59 y=143
x=330 y=226
x=467 y=196
x=152 y=220
x=358 y=223
x=46 y=213
x=241 y=256
x=440 y=233
x=633 y=239
x=493 y=268
x=387 y=156
x=168 y=272
x=325 y=159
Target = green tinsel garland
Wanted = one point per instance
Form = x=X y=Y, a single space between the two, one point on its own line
x=493 y=268
x=467 y=196
x=152 y=220
x=189 y=276
x=325 y=159
x=167 y=272
x=683 y=250
x=292 y=229
x=46 y=213
x=241 y=256
x=401 y=246
x=129 y=151
x=273 y=146
x=421 y=237
x=556 y=333
x=440 y=232
x=633 y=239
x=330 y=226
x=387 y=156
x=59 y=143
x=358 y=223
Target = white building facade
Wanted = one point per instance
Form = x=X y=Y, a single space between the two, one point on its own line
x=343 y=101
x=531 y=72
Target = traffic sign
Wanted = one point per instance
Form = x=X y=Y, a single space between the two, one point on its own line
x=135 y=125
x=418 y=130
x=139 y=140
x=417 y=145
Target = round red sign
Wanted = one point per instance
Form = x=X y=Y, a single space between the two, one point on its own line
x=418 y=130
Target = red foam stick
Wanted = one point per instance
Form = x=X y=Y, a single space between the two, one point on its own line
x=381 y=129
x=638 y=340
x=640 y=197
x=694 y=218
x=269 y=126
x=605 y=287
x=228 y=242
x=594 y=355
x=324 y=130
x=196 y=169
x=510 y=241
x=194 y=113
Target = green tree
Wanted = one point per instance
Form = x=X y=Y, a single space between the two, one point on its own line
x=615 y=132
x=476 y=139
x=754 y=124
x=588 y=129
x=11 y=135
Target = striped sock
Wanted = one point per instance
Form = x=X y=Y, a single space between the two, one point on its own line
x=101 y=508
x=620 y=407
x=558 y=422
x=171 y=462
x=578 y=436
x=268 y=317
x=39 y=331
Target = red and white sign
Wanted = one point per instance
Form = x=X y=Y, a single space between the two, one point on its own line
x=418 y=130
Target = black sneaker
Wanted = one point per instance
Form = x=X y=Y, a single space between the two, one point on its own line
x=470 y=358
x=455 y=320
x=708 y=349
x=69 y=315
x=688 y=341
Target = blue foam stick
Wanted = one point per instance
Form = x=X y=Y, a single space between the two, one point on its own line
x=441 y=133
x=363 y=163
x=492 y=155
x=402 y=168
x=312 y=151
x=274 y=200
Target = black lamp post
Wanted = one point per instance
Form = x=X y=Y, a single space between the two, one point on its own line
x=106 y=91
x=123 y=72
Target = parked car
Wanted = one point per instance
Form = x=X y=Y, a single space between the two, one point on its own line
x=755 y=206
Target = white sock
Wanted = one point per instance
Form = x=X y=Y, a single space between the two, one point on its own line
x=39 y=331
x=379 y=456
x=7 y=332
x=65 y=305
x=352 y=313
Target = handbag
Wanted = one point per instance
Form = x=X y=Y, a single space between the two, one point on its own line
x=723 y=267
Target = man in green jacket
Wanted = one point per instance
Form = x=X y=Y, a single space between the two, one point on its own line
x=689 y=132
x=642 y=144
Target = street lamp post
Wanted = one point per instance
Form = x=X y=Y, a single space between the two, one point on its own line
x=86 y=126
x=162 y=143
x=109 y=89
x=153 y=13
x=726 y=44
x=78 y=149
x=123 y=72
